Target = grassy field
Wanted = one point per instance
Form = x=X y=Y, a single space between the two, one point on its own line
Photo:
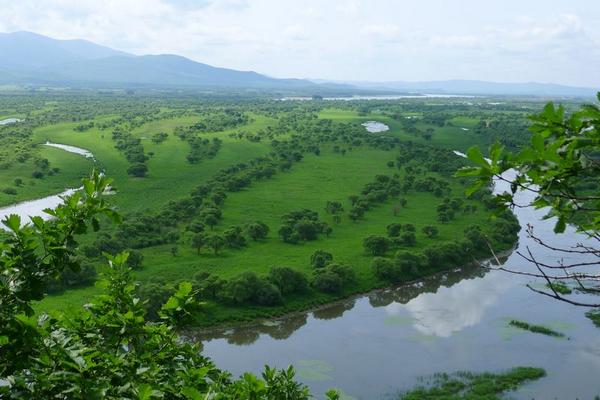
x=72 y=168
x=170 y=175
x=310 y=183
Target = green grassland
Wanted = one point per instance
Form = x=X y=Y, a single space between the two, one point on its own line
x=170 y=175
x=450 y=137
x=309 y=184
x=72 y=168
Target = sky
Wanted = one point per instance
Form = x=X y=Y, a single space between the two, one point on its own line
x=555 y=41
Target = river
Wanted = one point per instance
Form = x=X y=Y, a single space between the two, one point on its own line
x=376 y=344
x=36 y=207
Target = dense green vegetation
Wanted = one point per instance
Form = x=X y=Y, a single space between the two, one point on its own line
x=467 y=386
x=535 y=328
x=222 y=192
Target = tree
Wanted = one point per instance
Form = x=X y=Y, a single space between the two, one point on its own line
x=334 y=207
x=199 y=240
x=394 y=229
x=234 y=238
x=288 y=280
x=376 y=245
x=430 y=231
x=139 y=170
x=320 y=258
x=408 y=238
x=409 y=264
x=211 y=220
x=257 y=230
x=386 y=270
x=135 y=259
x=557 y=168
x=216 y=242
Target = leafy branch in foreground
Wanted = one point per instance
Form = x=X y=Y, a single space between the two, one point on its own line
x=108 y=350
x=561 y=168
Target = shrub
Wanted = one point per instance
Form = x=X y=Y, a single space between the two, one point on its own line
x=386 y=270
x=376 y=245
x=135 y=259
x=409 y=264
x=320 y=258
x=328 y=282
x=430 y=231
x=257 y=230
x=288 y=280
x=332 y=278
x=393 y=230
x=138 y=170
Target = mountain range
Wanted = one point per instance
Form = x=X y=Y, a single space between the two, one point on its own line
x=31 y=59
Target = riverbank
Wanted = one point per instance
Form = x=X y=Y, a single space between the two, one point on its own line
x=280 y=313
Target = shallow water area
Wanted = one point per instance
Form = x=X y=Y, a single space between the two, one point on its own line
x=375 y=126
x=8 y=121
x=71 y=149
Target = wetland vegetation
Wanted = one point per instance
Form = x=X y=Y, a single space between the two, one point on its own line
x=238 y=209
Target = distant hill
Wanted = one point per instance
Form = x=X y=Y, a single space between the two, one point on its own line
x=29 y=58
x=474 y=87
x=26 y=50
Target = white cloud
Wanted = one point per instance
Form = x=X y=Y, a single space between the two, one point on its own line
x=341 y=39
x=381 y=31
x=295 y=32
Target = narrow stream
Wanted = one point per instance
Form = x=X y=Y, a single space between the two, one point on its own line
x=36 y=207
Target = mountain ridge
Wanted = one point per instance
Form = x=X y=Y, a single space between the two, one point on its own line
x=32 y=59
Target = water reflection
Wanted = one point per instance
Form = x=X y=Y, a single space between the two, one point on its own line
x=335 y=310
x=247 y=334
x=464 y=304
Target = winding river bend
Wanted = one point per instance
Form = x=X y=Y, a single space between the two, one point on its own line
x=377 y=344
x=36 y=207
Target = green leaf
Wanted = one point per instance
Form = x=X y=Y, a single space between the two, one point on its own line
x=191 y=393
x=474 y=154
x=12 y=222
x=561 y=225
x=537 y=141
x=496 y=152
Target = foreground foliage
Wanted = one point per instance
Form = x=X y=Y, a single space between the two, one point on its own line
x=560 y=167
x=108 y=350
